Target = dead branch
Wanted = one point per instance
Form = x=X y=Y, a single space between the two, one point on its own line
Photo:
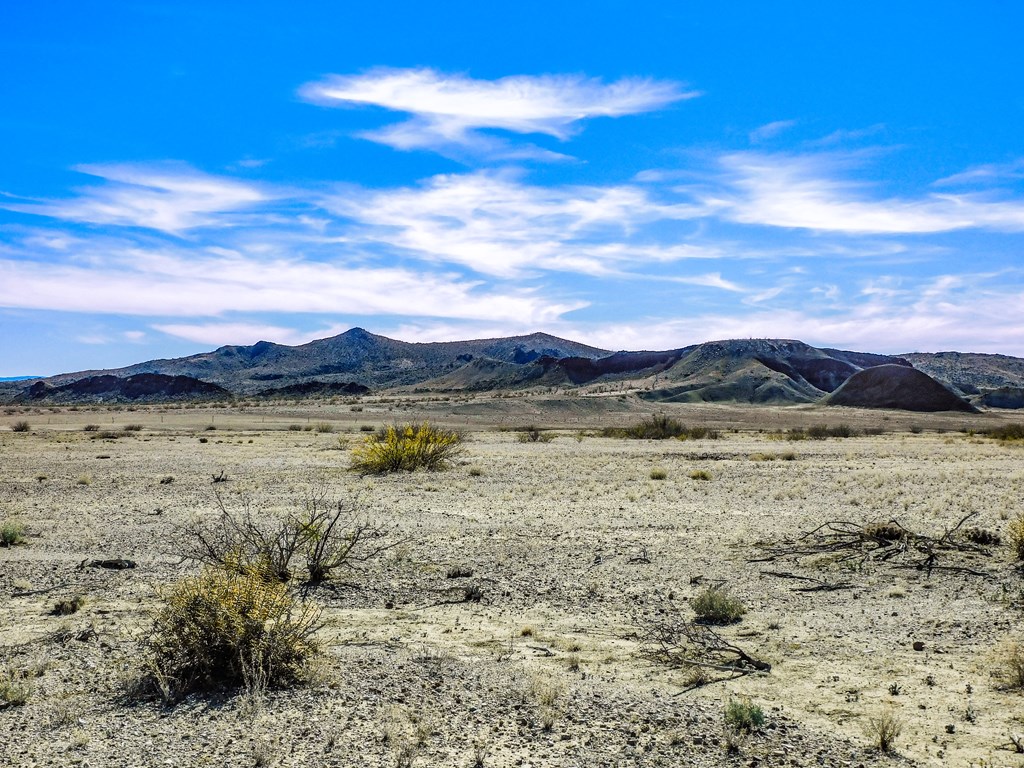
x=887 y=543
x=672 y=639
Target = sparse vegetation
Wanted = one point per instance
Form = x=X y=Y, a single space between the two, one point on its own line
x=1007 y=432
x=743 y=716
x=224 y=629
x=534 y=435
x=1010 y=662
x=883 y=730
x=323 y=426
x=132 y=427
x=12 y=533
x=660 y=427
x=658 y=473
x=717 y=606
x=21 y=426
x=324 y=535
x=1016 y=535
x=68 y=606
x=15 y=689
x=700 y=474
x=406 y=448
x=91 y=428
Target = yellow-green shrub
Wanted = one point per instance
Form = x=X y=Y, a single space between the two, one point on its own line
x=407 y=447
x=224 y=629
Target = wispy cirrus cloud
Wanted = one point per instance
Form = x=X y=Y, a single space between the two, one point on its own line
x=498 y=225
x=134 y=280
x=770 y=130
x=809 y=192
x=171 y=198
x=990 y=173
x=452 y=110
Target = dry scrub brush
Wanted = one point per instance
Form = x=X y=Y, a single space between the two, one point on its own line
x=222 y=630
x=408 y=447
x=322 y=536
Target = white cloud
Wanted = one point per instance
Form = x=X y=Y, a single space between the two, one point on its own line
x=804 y=192
x=986 y=174
x=770 y=130
x=142 y=282
x=450 y=110
x=222 y=334
x=497 y=225
x=169 y=198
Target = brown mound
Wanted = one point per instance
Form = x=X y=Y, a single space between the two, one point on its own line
x=896 y=386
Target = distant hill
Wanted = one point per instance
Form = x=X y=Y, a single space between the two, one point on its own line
x=141 y=388
x=779 y=371
x=994 y=381
x=756 y=371
x=355 y=356
x=895 y=386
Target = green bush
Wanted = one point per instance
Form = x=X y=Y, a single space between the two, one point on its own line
x=222 y=630
x=743 y=715
x=12 y=533
x=716 y=606
x=658 y=473
x=406 y=448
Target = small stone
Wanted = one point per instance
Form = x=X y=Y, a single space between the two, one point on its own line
x=918 y=645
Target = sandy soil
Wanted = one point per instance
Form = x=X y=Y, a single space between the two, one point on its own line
x=577 y=552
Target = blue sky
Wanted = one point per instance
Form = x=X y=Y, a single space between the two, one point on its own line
x=638 y=175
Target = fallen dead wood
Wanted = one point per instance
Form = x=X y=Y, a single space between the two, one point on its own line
x=819 y=586
x=855 y=545
x=672 y=639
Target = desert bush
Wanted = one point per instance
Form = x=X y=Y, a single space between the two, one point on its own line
x=407 y=447
x=68 y=606
x=658 y=474
x=323 y=535
x=982 y=536
x=1007 y=432
x=657 y=427
x=817 y=431
x=716 y=606
x=1010 y=662
x=294 y=427
x=323 y=426
x=15 y=689
x=883 y=730
x=132 y=427
x=743 y=715
x=224 y=629
x=21 y=426
x=210 y=428
x=91 y=428
x=874 y=431
x=1016 y=536
x=700 y=474
x=366 y=428
x=795 y=433
x=12 y=533
x=534 y=435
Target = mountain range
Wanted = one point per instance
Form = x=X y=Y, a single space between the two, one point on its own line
x=765 y=371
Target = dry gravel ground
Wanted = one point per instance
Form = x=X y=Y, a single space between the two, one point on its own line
x=576 y=551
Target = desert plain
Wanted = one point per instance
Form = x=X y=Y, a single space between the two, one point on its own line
x=510 y=625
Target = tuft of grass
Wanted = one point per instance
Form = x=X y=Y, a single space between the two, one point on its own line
x=15 y=689
x=883 y=730
x=408 y=447
x=132 y=427
x=716 y=606
x=294 y=427
x=534 y=435
x=91 y=428
x=83 y=480
x=1015 y=532
x=21 y=426
x=700 y=474
x=12 y=533
x=323 y=426
x=743 y=716
x=224 y=630
x=1010 y=661
x=658 y=474
x=68 y=606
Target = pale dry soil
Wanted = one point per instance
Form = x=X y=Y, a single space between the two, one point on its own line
x=576 y=551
